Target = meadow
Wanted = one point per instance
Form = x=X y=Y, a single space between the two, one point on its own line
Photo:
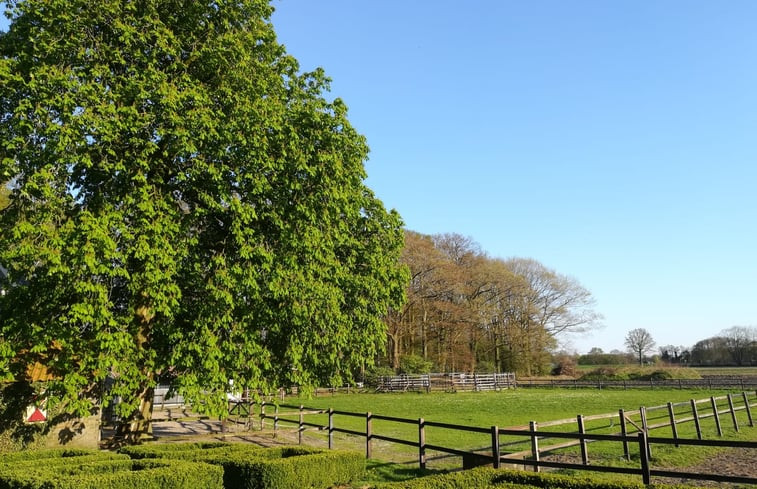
x=512 y=408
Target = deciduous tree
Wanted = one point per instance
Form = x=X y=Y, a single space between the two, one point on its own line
x=639 y=341
x=190 y=207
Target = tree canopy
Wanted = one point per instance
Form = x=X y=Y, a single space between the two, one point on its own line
x=467 y=311
x=187 y=205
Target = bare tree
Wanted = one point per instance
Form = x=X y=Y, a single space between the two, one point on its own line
x=639 y=341
x=741 y=342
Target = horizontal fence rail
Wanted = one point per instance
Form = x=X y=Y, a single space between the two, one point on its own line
x=446 y=382
x=531 y=440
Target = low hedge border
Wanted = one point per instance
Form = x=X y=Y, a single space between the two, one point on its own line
x=250 y=467
x=489 y=478
x=115 y=474
x=53 y=453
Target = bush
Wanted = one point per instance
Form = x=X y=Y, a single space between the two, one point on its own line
x=414 y=364
x=55 y=453
x=248 y=466
x=372 y=376
x=641 y=373
x=122 y=473
x=489 y=478
x=188 y=451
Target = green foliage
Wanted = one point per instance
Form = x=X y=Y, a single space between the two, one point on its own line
x=640 y=373
x=485 y=478
x=5 y=196
x=248 y=466
x=56 y=456
x=188 y=205
x=375 y=373
x=414 y=364
x=105 y=471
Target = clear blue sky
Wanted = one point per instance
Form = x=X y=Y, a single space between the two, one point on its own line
x=614 y=142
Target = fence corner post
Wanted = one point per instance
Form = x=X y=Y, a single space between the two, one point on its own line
x=495 y=447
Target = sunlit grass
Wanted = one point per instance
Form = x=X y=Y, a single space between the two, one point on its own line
x=516 y=408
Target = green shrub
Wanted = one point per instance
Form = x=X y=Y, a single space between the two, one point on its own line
x=52 y=453
x=640 y=373
x=114 y=474
x=373 y=375
x=319 y=470
x=177 y=450
x=414 y=364
x=489 y=478
x=250 y=466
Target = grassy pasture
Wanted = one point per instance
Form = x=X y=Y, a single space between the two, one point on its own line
x=513 y=408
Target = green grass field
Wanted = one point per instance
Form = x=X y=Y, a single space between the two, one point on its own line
x=516 y=408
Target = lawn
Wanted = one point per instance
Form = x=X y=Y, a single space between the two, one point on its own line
x=513 y=408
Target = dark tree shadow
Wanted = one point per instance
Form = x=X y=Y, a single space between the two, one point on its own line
x=15 y=397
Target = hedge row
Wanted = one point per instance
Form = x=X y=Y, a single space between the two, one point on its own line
x=121 y=473
x=249 y=467
x=489 y=478
x=191 y=466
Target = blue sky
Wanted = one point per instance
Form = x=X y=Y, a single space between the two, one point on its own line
x=612 y=141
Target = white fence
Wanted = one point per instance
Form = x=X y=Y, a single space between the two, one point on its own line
x=446 y=382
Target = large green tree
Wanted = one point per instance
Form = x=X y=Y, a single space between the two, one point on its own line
x=187 y=205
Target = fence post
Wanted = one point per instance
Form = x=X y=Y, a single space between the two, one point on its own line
x=275 y=419
x=422 y=443
x=534 y=444
x=673 y=427
x=733 y=413
x=716 y=415
x=645 y=427
x=582 y=440
x=495 y=447
x=301 y=426
x=748 y=410
x=368 y=434
x=624 y=432
x=695 y=414
x=262 y=415
x=644 y=457
x=331 y=428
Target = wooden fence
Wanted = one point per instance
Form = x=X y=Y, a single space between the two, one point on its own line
x=634 y=426
x=446 y=382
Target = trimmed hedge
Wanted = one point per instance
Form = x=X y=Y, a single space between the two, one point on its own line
x=188 y=451
x=489 y=478
x=89 y=472
x=251 y=467
x=55 y=453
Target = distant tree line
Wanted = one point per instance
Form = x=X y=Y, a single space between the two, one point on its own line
x=467 y=311
x=735 y=346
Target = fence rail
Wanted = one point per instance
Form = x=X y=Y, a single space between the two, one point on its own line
x=634 y=425
x=446 y=382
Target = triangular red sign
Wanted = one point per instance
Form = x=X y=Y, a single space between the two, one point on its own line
x=36 y=416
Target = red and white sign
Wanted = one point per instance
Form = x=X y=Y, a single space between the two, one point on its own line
x=35 y=414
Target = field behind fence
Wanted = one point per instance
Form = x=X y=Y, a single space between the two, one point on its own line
x=619 y=442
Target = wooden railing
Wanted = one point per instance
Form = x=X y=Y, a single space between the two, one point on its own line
x=634 y=426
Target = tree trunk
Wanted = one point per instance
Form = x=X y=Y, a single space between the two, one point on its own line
x=139 y=425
